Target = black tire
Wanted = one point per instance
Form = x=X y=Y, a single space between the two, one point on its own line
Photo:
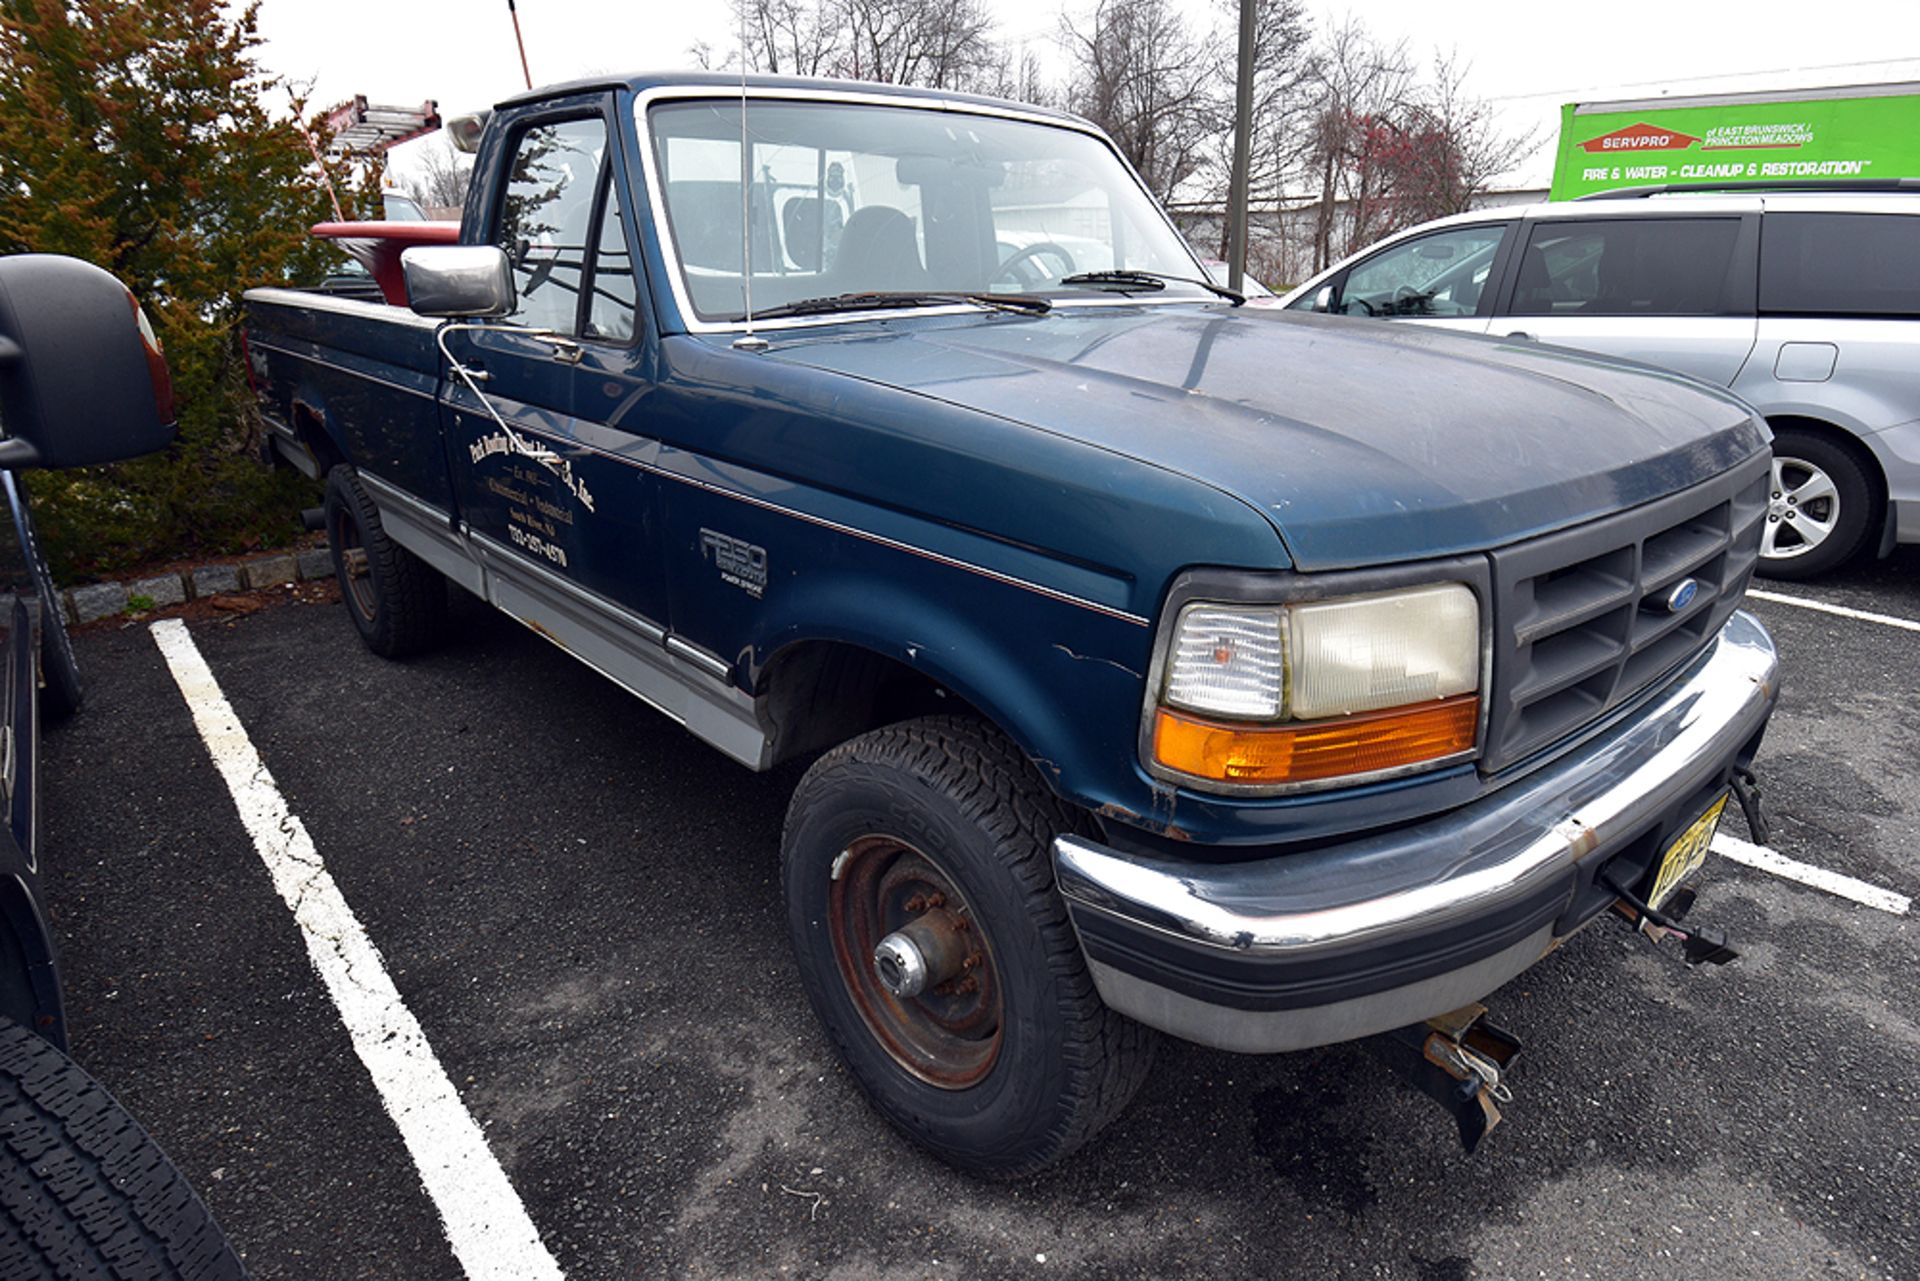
x=62 y=693
x=84 y=1192
x=1851 y=512
x=398 y=602
x=950 y=794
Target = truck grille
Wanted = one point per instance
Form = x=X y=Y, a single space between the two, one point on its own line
x=1581 y=622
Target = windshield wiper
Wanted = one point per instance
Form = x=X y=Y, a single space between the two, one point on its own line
x=876 y=300
x=1134 y=278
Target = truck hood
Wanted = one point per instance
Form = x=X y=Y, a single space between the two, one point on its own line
x=1362 y=442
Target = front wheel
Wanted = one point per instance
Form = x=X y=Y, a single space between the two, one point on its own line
x=1820 y=509
x=936 y=951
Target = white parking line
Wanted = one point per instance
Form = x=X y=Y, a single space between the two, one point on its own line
x=1841 y=611
x=1766 y=860
x=487 y=1226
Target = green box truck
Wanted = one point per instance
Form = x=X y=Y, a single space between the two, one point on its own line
x=1786 y=136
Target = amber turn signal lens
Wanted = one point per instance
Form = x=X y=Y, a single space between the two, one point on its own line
x=1309 y=753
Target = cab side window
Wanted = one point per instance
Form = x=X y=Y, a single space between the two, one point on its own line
x=1444 y=274
x=1627 y=267
x=546 y=217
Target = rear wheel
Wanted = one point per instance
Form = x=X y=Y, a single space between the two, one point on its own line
x=398 y=602
x=84 y=1192
x=1820 y=510
x=935 y=949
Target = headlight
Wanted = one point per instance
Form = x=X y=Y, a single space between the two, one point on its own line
x=1270 y=696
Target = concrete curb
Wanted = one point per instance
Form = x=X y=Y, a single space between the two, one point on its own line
x=275 y=569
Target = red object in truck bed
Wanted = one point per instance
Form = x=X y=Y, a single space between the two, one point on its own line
x=377 y=247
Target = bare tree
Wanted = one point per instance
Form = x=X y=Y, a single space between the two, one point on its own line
x=1476 y=150
x=942 y=44
x=1389 y=149
x=442 y=180
x=791 y=37
x=1140 y=72
x=1021 y=77
x=1358 y=83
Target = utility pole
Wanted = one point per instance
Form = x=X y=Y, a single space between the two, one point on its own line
x=1242 y=146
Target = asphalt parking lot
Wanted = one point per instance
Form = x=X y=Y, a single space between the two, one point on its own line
x=579 y=904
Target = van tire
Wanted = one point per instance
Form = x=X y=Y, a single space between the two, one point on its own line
x=84 y=1192
x=1855 y=505
x=398 y=602
x=950 y=795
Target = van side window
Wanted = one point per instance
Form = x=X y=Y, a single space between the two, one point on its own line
x=546 y=216
x=1840 y=264
x=1627 y=267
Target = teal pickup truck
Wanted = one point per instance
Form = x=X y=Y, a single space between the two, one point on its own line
x=1162 y=665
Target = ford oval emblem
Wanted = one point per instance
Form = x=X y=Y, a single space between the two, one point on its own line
x=1682 y=595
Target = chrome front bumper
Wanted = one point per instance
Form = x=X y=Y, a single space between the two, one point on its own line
x=1325 y=945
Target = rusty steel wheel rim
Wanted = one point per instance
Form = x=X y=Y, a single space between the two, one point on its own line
x=353 y=564
x=948 y=1036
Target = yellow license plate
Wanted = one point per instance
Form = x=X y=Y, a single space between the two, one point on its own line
x=1684 y=857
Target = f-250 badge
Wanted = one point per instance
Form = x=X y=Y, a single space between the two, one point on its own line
x=740 y=563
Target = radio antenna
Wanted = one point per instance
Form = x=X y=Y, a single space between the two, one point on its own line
x=748 y=341
x=524 y=73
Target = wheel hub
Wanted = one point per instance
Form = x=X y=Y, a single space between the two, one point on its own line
x=1802 y=506
x=344 y=533
x=915 y=961
x=927 y=952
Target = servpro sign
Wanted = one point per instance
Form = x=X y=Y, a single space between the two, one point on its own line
x=1868 y=131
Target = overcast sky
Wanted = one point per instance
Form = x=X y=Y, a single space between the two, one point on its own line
x=1528 y=57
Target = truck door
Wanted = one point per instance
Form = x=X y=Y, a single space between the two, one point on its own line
x=1677 y=292
x=554 y=502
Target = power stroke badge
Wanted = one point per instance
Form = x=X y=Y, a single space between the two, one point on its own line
x=741 y=563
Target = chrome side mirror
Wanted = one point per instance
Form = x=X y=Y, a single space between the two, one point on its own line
x=464 y=282
x=1323 y=300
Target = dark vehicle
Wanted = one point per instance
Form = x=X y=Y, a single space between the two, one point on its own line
x=1264 y=679
x=83 y=1190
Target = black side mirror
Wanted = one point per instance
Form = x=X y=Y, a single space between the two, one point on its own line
x=82 y=377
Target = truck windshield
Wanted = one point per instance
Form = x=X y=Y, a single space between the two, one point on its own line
x=848 y=198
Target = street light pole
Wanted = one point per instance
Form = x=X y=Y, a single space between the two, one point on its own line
x=1242 y=145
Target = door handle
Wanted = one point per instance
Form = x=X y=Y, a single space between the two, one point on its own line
x=1521 y=334
x=564 y=348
